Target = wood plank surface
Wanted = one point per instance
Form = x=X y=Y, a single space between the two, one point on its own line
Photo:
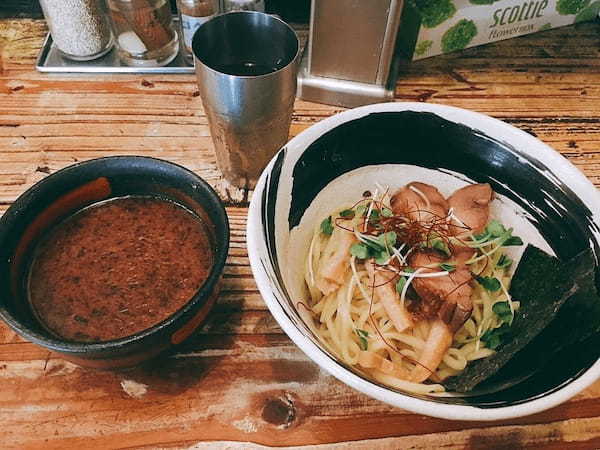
x=240 y=382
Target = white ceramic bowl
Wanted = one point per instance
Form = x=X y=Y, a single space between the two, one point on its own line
x=540 y=193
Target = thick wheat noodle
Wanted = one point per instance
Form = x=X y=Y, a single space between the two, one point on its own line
x=351 y=317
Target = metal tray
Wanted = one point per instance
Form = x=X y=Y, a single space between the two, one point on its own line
x=50 y=60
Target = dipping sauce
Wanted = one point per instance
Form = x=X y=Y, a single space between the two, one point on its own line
x=118 y=267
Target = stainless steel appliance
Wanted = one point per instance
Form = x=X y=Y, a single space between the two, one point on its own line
x=349 y=59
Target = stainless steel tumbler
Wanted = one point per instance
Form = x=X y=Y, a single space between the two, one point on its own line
x=246 y=65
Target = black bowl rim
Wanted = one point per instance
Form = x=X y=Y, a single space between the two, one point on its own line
x=82 y=348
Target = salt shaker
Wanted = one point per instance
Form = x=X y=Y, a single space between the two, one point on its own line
x=80 y=28
x=192 y=14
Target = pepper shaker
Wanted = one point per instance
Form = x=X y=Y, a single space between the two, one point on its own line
x=80 y=28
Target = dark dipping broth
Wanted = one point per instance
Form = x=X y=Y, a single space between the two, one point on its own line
x=118 y=267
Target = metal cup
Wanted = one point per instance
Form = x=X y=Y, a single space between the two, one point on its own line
x=246 y=65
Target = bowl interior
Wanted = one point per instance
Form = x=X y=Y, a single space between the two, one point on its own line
x=335 y=164
x=65 y=192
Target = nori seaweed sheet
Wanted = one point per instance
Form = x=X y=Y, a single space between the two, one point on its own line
x=542 y=283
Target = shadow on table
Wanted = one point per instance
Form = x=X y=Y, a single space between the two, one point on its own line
x=185 y=365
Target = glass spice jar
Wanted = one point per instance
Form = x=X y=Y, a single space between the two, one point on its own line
x=80 y=28
x=144 y=31
x=192 y=14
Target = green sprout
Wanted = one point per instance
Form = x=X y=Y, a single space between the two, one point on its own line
x=566 y=7
x=459 y=36
x=589 y=13
x=423 y=47
x=434 y=12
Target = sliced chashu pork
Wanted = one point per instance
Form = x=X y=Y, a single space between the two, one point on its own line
x=470 y=207
x=419 y=202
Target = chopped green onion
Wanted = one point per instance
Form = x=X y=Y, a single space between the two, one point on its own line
x=347 y=213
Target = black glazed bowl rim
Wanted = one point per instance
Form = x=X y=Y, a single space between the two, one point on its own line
x=397 y=133
x=201 y=295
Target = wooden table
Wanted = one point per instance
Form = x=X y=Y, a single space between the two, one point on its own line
x=240 y=379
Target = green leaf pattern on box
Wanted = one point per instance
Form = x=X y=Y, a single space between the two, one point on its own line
x=434 y=12
x=566 y=7
x=459 y=36
x=589 y=13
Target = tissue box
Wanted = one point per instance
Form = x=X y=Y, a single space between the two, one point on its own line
x=433 y=27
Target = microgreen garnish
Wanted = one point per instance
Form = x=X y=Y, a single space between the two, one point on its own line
x=347 y=213
x=379 y=248
x=489 y=283
x=482 y=237
x=447 y=267
x=400 y=284
x=493 y=338
x=388 y=239
x=408 y=270
x=495 y=228
x=382 y=258
x=386 y=212
x=504 y=262
x=327 y=226
x=503 y=311
x=360 y=250
x=361 y=210
x=512 y=240
x=440 y=246
x=362 y=338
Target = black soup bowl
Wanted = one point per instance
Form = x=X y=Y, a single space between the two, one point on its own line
x=69 y=190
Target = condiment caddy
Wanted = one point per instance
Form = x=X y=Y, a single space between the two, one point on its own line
x=144 y=37
x=51 y=60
